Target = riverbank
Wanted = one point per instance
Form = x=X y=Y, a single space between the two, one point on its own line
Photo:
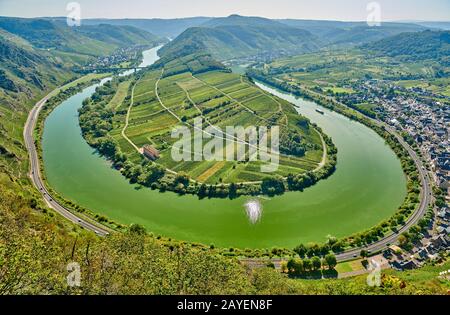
x=411 y=207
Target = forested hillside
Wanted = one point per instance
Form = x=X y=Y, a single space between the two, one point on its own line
x=162 y=27
x=86 y=40
x=38 y=55
x=237 y=37
x=414 y=46
x=351 y=33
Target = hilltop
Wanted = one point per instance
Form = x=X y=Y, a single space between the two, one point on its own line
x=339 y=33
x=237 y=36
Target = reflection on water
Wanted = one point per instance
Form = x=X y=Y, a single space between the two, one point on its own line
x=253 y=208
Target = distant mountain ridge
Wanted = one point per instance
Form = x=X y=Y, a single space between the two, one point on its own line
x=169 y=28
x=414 y=46
x=94 y=40
x=351 y=33
x=237 y=36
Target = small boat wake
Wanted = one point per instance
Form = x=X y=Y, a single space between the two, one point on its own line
x=254 y=209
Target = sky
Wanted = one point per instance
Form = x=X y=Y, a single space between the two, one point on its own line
x=344 y=10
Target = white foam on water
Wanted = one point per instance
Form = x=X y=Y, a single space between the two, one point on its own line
x=253 y=208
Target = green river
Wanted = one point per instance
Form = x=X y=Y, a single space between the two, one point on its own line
x=367 y=187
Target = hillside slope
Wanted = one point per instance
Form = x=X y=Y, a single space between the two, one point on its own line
x=351 y=33
x=88 y=40
x=24 y=71
x=237 y=37
x=414 y=46
x=161 y=27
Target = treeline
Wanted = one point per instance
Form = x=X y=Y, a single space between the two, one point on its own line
x=298 y=267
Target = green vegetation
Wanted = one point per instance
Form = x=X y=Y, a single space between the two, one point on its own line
x=194 y=63
x=237 y=36
x=181 y=92
x=343 y=34
x=414 y=46
x=62 y=40
x=341 y=73
x=35 y=244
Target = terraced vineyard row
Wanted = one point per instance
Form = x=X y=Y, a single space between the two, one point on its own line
x=221 y=99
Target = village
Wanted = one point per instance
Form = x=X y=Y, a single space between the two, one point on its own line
x=422 y=117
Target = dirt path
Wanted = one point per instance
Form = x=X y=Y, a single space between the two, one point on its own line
x=127 y=118
x=325 y=152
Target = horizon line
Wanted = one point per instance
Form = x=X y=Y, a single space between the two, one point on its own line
x=214 y=17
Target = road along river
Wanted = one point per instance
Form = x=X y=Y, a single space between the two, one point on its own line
x=367 y=187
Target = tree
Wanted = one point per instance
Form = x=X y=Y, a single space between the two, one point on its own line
x=364 y=254
x=290 y=265
x=182 y=178
x=313 y=249
x=307 y=264
x=202 y=191
x=295 y=267
x=337 y=247
x=316 y=263
x=137 y=229
x=233 y=191
x=330 y=261
x=107 y=147
x=273 y=186
x=300 y=250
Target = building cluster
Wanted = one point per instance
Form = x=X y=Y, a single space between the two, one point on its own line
x=119 y=56
x=432 y=243
x=429 y=250
x=422 y=114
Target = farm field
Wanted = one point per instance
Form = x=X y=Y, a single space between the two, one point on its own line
x=336 y=71
x=220 y=99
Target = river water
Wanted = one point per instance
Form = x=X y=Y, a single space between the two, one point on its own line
x=367 y=187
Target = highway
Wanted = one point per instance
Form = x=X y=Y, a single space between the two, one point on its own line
x=425 y=201
x=425 y=194
x=36 y=178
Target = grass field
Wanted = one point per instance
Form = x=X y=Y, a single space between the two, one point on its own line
x=439 y=86
x=350 y=266
x=221 y=99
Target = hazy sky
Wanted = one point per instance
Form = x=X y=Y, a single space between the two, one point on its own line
x=437 y=10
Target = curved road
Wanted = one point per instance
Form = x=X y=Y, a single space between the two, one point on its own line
x=36 y=178
x=426 y=192
x=425 y=201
